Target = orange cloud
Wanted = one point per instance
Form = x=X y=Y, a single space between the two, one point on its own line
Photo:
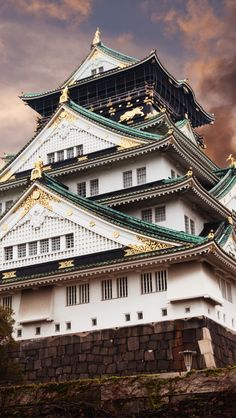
x=61 y=10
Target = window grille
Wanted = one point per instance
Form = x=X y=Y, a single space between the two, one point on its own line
x=100 y=69
x=79 y=150
x=127 y=317
x=21 y=250
x=56 y=243
x=160 y=214
x=57 y=327
x=37 y=330
x=192 y=227
x=106 y=289
x=69 y=240
x=84 y=293
x=33 y=248
x=68 y=325
x=164 y=312
x=6 y=302
x=44 y=246
x=9 y=204
x=127 y=179
x=122 y=287
x=146 y=215
x=51 y=158
x=60 y=155
x=70 y=153
x=172 y=174
x=146 y=283
x=94 y=189
x=19 y=333
x=0 y=207
x=141 y=175
x=81 y=189
x=161 y=280
x=94 y=322
x=226 y=290
x=186 y=224
x=71 y=295
x=8 y=253
x=140 y=315
x=93 y=71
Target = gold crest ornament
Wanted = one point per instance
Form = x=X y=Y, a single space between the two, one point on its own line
x=37 y=171
x=64 y=97
x=96 y=38
x=232 y=161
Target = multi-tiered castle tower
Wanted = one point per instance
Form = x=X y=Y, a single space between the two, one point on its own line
x=113 y=217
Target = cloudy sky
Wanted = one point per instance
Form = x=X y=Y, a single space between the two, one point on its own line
x=42 y=41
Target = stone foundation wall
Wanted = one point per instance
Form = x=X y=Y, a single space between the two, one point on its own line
x=151 y=348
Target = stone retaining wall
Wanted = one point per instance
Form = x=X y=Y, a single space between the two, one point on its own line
x=151 y=348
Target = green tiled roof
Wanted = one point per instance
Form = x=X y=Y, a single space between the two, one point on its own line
x=120 y=218
x=116 y=54
x=225 y=184
x=223 y=233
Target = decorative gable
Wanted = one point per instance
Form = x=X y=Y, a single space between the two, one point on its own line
x=230 y=245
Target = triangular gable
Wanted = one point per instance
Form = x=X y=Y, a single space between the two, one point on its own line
x=230 y=245
x=40 y=215
x=67 y=129
x=98 y=61
x=185 y=127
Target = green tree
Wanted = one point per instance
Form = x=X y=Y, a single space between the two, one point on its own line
x=9 y=368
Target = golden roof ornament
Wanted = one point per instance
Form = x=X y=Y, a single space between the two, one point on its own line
x=232 y=161
x=230 y=220
x=37 y=171
x=211 y=234
x=189 y=172
x=96 y=38
x=64 y=97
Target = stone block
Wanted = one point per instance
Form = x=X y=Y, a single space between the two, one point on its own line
x=133 y=343
x=139 y=355
x=92 y=369
x=111 y=368
x=149 y=355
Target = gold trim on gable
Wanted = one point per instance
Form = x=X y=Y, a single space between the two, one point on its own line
x=65 y=264
x=146 y=246
x=37 y=196
x=6 y=176
x=63 y=116
x=9 y=274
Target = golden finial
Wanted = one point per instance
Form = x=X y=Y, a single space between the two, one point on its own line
x=97 y=38
x=232 y=161
x=230 y=220
x=189 y=172
x=64 y=95
x=36 y=173
x=211 y=234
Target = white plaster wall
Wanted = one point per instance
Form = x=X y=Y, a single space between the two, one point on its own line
x=175 y=211
x=111 y=178
x=184 y=281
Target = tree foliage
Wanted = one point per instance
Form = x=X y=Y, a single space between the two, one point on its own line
x=9 y=368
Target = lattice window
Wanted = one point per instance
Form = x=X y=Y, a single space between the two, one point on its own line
x=146 y=215
x=161 y=280
x=9 y=204
x=70 y=153
x=60 y=155
x=71 y=295
x=186 y=224
x=21 y=250
x=146 y=283
x=141 y=175
x=79 y=150
x=100 y=69
x=51 y=158
x=172 y=174
x=33 y=248
x=94 y=187
x=226 y=289
x=127 y=179
x=44 y=246
x=6 y=302
x=81 y=189
x=1 y=210
x=84 y=293
x=106 y=289
x=122 y=287
x=56 y=243
x=69 y=240
x=160 y=214
x=192 y=227
x=8 y=252
x=93 y=71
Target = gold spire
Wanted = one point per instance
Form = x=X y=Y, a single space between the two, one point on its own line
x=232 y=161
x=36 y=173
x=96 y=38
x=64 y=95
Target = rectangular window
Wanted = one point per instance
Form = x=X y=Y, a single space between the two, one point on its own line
x=94 y=189
x=164 y=312
x=141 y=175
x=69 y=241
x=68 y=325
x=160 y=214
x=172 y=174
x=226 y=290
x=140 y=315
x=70 y=153
x=9 y=204
x=60 y=155
x=57 y=327
x=127 y=179
x=106 y=289
x=33 y=248
x=94 y=71
x=0 y=208
x=71 y=295
x=7 y=302
x=81 y=189
x=94 y=322
x=8 y=252
x=19 y=333
x=44 y=246
x=51 y=158
x=21 y=250
x=146 y=283
x=84 y=293
x=37 y=330
x=56 y=243
x=79 y=150
x=192 y=227
x=122 y=287
x=161 y=281
x=186 y=224
x=146 y=215
x=100 y=69
x=127 y=317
